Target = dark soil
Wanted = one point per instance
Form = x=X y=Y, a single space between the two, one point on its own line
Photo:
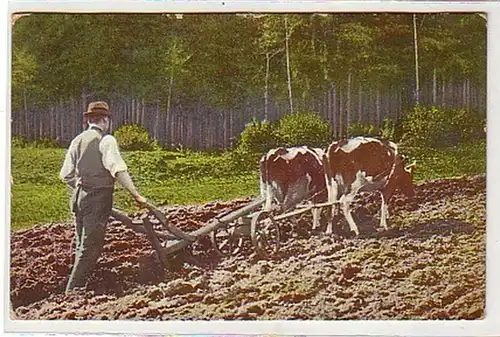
x=429 y=265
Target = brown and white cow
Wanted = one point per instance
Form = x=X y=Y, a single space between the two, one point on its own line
x=289 y=176
x=364 y=164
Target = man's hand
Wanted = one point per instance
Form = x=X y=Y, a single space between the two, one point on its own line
x=140 y=199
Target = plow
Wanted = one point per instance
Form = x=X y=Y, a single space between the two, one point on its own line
x=228 y=231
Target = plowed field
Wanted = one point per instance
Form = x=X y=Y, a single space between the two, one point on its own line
x=429 y=265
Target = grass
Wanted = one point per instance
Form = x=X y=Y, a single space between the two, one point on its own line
x=38 y=196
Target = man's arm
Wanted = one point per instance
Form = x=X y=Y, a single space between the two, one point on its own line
x=67 y=172
x=114 y=163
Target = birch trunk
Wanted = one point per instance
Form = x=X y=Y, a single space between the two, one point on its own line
x=142 y=112
x=289 y=75
x=157 y=121
x=26 y=118
x=360 y=104
x=434 y=87
x=341 y=116
x=348 y=102
x=266 y=89
x=415 y=41
x=443 y=94
x=334 y=112
x=377 y=107
x=169 y=125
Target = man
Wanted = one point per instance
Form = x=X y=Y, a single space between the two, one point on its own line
x=91 y=166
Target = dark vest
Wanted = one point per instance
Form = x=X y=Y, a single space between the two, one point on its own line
x=90 y=172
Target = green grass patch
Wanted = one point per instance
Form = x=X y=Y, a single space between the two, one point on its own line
x=33 y=204
x=38 y=196
x=469 y=159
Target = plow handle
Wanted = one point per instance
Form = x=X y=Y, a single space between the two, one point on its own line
x=171 y=228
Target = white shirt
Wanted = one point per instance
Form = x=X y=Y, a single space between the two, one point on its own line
x=111 y=158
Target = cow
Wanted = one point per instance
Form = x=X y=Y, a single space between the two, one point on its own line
x=364 y=164
x=289 y=176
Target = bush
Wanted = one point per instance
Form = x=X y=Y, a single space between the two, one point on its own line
x=391 y=130
x=133 y=137
x=40 y=143
x=258 y=137
x=303 y=128
x=360 y=129
x=433 y=127
x=45 y=143
x=19 y=141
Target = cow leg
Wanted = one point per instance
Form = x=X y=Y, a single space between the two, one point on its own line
x=384 y=212
x=268 y=195
x=316 y=212
x=346 y=203
x=332 y=187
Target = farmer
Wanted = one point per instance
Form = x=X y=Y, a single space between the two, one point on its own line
x=92 y=164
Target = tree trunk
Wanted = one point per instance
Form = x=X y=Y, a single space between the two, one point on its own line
x=443 y=94
x=360 y=104
x=41 y=116
x=266 y=89
x=341 y=116
x=231 y=126
x=26 y=118
x=169 y=125
x=157 y=121
x=377 y=108
x=142 y=112
x=468 y=94
x=289 y=75
x=348 y=102
x=434 y=87
x=334 y=111
x=415 y=41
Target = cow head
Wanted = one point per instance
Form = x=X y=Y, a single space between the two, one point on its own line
x=405 y=179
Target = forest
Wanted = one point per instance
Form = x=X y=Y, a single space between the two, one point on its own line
x=196 y=80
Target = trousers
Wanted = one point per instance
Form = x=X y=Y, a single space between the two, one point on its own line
x=91 y=209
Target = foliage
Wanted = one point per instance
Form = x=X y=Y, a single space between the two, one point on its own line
x=257 y=137
x=433 y=127
x=134 y=137
x=143 y=54
x=360 y=129
x=391 y=130
x=303 y=128
x=18 y=141
x=24 y=70
x=40 y=143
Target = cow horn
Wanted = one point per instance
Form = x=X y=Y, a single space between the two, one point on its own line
x=408 y=167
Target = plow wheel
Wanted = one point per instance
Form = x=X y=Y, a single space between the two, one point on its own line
x=225 y=239
x=265 y=233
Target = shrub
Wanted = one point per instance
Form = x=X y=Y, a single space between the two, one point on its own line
x=45 y=143
x=433 y=127
x=360 y=129
x=19 y=141
x=258 y=137
x=303 y=128
x=391 y=130
x=133 y=137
